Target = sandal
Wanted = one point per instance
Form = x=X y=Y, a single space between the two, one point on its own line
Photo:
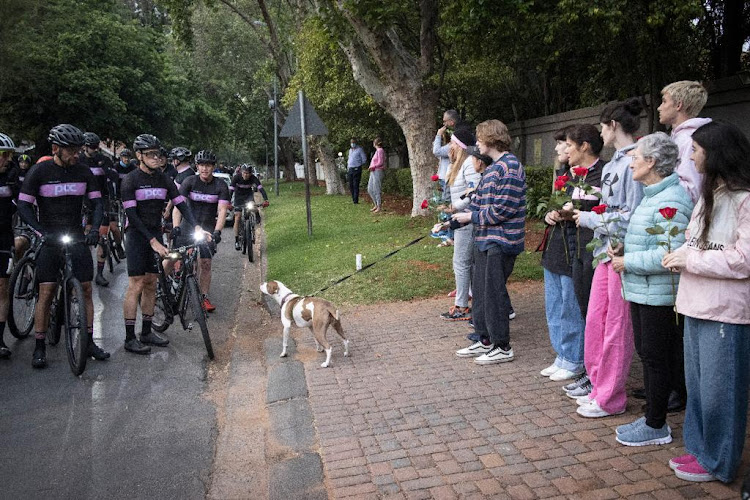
x=456 y=313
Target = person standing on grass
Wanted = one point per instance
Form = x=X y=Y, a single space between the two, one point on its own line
x=357 y=158
x=714 y=297
x=680 y=104
x=498 y=213
x=377 y=169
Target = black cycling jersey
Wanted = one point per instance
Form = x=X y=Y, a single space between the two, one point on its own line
x=144 y=197
x=104 y=175
x=182 y=175
x=8 y=192
x=21 y=175
x=170 y=171
x=59 y=192
x=243 y=188
x=204 y=200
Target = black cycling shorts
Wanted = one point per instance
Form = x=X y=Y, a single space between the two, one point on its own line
x=141 y=257
x=50 y=260
x=6 y=244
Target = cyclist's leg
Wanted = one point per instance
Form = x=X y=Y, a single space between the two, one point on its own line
x=237 y=216
x=142 y=275
x=148 y=300
x=21 y=244
x=205 y=275
x=100 y=261
x=4 y=351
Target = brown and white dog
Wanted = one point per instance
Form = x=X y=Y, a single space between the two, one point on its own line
x=312 y=312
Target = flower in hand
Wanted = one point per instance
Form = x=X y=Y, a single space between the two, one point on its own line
x=599 y=209
x=668 y=212
x=580 y=171
x=434 y=178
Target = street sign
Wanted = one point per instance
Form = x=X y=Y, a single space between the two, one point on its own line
x=313 y=124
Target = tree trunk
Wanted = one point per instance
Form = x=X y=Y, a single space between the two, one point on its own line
x=287 y=160
x=313 y=172
x=333 y=181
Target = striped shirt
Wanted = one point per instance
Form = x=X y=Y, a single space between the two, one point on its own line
x=499 y=206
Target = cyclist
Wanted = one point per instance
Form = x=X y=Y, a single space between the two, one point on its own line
x=106 y=181
x=59 y=187
x=244 y=184
x=181 y=161
x=22 y=231
x=124 y=166
x=145 y=192
x=166 y=163
x=209 y=199
x=8 y=190
x=24 y=164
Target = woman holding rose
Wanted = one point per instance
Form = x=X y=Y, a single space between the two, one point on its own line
x=714 y=296
x=656 y=226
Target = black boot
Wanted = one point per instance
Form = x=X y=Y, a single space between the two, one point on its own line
x=97 y=352
x=153 y=339
x=39 y=359
x=101 y=280
x=237 y=244
x=676 y=403
x=134 y=345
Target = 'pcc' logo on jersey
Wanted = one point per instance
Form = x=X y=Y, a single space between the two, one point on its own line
x=150 y=194
x=205 y=198
x=63 y=189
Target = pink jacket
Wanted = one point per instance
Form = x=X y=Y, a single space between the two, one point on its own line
x=682 y=135
x=378 y=159
x=715 y=284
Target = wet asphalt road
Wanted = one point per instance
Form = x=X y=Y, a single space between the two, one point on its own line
x=130 y=427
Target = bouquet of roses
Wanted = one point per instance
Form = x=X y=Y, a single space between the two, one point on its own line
x=615 y=237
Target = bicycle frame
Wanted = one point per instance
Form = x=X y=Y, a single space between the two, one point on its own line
x=176 y=299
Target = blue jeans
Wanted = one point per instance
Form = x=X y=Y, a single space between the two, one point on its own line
x=717 y=366
x=564 y=321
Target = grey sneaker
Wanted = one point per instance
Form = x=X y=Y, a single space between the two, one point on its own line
x=626 y=427
x=495 y=355
x=643 y=435
x=583 y=390
x=474 y=350
x=583 y=379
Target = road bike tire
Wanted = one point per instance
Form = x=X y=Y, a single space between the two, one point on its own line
x=108 y=257
x=112 y=249
x=196 y=304
x=23 y=297
x=242 y=238
x=56 y=320
x=75 y=326
x=162 y=318
x=249 y=237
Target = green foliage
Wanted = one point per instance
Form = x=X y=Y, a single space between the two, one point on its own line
x=538 y=189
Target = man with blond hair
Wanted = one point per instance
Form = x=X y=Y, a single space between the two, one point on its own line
x=680 y=104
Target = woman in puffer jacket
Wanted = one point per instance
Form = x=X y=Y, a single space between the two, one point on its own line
x=650 y=288
x=714 y=296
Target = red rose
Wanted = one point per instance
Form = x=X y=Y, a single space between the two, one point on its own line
x=580 y=171
x=668 y=212
x=559 y=185
x=425 y=204
x=563 y=178
x=599 y=209
x=435 y=177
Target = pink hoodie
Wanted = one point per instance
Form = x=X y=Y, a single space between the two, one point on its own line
x=715 y=284
x=682 y=134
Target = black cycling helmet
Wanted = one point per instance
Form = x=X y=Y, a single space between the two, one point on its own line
x=205 y=156
x=24 y=157
x=146 y=141
x=180 y=153
x=91 y=140
x=6 y=143
x=66 y=135
x=126 y=152
x=164 y=152
x=246 y=168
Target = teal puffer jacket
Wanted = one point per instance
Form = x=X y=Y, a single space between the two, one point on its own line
x=645 y=281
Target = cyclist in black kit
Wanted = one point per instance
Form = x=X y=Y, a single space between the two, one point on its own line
x=59 y=187
x=106 y=181
x=124 y=166
x=181 y=161
x=209 y=199
x=145 y=193
x=8 y=191
x=244 y=184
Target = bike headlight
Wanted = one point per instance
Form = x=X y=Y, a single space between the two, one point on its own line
x=65 y=239
x=173 y=255
x=199 y=236
x=250 y=205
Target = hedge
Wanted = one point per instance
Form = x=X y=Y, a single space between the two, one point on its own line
x=395 y=181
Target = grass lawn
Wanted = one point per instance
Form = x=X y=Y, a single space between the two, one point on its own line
x=340 y=231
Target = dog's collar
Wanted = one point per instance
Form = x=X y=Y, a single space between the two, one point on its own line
x=286 y=297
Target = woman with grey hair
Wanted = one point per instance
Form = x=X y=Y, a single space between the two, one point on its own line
x=650 y=288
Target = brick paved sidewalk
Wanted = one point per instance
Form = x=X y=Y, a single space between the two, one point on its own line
x=404 y=418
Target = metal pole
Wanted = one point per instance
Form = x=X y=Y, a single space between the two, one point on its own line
x=303 y=132
x=275 y=138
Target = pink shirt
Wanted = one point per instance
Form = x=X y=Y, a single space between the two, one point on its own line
x=682 y=135
x=715 y=284
x=378 y=159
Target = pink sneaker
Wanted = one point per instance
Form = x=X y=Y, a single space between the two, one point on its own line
x=681 y=460
x=694 y=472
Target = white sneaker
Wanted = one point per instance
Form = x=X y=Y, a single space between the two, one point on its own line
x=584 y=400
x=496 y=355
x=593 y=410
x=563 y=374
x=474 y=350
x=549 y=370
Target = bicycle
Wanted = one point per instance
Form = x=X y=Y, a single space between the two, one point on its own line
x=110 y=251
x=180 y=295
x=23 y=294
x=247 y=228
x=68 y=310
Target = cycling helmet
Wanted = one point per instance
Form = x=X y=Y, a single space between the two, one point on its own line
x=246 y=168
x=126 y=152
x=66 y=135
x=6 y=143
x=205 y=156
x=146 y=141
x=180 y=153
x=91 y=140
x=25 y=158
x=164 y=152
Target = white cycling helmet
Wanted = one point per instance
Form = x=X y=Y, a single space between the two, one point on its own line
x=6 y=143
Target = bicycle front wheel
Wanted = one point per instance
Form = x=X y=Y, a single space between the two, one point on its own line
x=249 y=238
x=76 y=329
x=23 y=298
x=196 y=304
x=163 y=316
